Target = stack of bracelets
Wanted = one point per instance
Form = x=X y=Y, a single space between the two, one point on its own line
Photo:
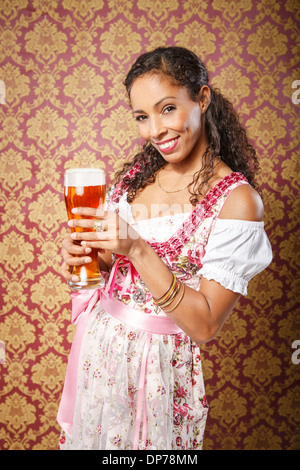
x=170 y=295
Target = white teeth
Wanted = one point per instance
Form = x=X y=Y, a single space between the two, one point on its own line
x=167 y=144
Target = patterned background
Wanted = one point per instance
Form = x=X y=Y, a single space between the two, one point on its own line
x=63 y=63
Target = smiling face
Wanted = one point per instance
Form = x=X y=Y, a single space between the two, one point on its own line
x=168 y=118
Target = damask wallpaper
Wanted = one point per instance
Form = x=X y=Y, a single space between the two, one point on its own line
x=62 y=104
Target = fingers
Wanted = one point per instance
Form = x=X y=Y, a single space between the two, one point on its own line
x=70 y=248
x=86 y=226
x=65 y=272
x=90 y=236
x=88 y=223
x=83 y=223
x=89 y=212
x=76 y=260
x=74 y=255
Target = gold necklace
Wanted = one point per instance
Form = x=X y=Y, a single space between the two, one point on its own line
x=168 y=192
x=181 y=189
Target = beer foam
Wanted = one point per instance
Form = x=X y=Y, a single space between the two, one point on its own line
x=84 y=177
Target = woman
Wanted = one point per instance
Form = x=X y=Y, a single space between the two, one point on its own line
x=194 y=239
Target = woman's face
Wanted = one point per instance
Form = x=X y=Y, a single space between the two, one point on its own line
x=168 y=118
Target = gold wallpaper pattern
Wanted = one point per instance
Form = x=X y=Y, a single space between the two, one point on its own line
x=62 y=104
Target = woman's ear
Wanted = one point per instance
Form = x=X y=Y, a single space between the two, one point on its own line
x=204 y=98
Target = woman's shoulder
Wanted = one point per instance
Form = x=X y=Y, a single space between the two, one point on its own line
x=243 y=203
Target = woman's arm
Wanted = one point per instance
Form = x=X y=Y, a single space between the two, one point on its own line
x=201 y=313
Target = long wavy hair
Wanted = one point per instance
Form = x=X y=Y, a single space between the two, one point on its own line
x=225 y=134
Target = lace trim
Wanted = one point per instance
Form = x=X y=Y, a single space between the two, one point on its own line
x=230 y=281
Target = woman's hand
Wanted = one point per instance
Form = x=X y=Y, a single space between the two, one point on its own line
x=116 y=236
x=73 y=255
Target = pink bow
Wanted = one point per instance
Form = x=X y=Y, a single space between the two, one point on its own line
x=126 y=280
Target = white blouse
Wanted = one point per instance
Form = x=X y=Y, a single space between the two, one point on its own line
x=236 y=251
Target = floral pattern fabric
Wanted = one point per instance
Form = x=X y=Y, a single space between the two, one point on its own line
x=111 y=354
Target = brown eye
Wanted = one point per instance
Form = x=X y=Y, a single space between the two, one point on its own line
x=140 y=118
x=168 y=109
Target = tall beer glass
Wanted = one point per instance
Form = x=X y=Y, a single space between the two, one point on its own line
x=85 y=187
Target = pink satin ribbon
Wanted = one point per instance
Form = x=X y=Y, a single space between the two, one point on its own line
x=125 y=281
x=82 y=305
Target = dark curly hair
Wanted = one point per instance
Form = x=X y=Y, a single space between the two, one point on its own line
x=226 y=137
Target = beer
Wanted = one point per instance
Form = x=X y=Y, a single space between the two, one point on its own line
x=85 y=187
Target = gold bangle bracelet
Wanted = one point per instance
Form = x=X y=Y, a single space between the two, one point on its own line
x=169 y=291
x=178 y=302
x=171 y=297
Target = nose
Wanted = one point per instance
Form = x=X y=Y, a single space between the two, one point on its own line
x=157 y=129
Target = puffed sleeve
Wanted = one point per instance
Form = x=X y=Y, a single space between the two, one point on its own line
x=236 y=251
